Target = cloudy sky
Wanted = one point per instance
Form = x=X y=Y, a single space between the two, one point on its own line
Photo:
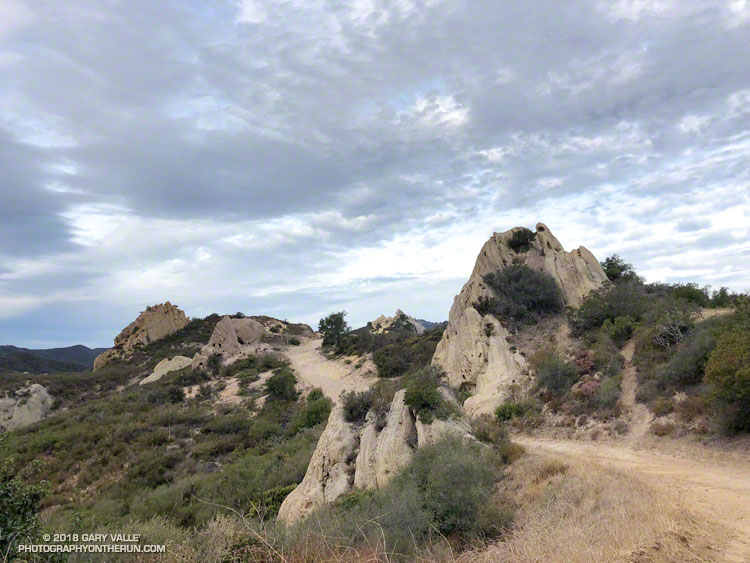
x=295 y=157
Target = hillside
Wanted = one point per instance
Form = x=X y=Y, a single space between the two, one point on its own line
x=530 y=425
x=71 y=358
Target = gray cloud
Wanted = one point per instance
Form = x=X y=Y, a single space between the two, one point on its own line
x=273 y=153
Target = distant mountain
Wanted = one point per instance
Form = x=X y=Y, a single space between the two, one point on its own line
x=430 y=325
x=71 y=358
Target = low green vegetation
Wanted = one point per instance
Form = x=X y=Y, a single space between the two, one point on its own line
x=150 y=451
x=444 y=493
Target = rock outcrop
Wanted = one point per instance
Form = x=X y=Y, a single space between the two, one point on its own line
x=350 y=456
x=29 y=404
x=166 y=366
x=399 y=320
x=151 y=325
x=229 y=338
x=474 y=350
x=330 y=472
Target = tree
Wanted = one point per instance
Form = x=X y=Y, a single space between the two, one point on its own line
x=618 y=270
x=333 y=328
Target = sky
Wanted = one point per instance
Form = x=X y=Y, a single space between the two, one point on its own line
x=298 y=157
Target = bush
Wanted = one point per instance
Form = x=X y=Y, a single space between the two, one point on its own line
x=661 y=428
x=630 y=298
x=691 y=293
x=423 y=396
x=686 y=367
x=521 y=295
x=356 y=405
x=520 y=240
x=620 y=330
x=609 y=393
x=314 y=413
x=489 y=430
x=617 y=270
x=294 y=341
x=445 y=490
x=555 y=374
x=728 y=370
x=281 y=385
x=333 y=328
x=510 y=410
x=19 y=505
x=661 y=406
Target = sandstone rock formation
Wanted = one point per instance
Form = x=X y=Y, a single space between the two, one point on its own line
x=153 y=324
x=349 y=456
x=228 y=339
x=166 y=366
x=383 y=323
x=29 y=404
x=474 y=350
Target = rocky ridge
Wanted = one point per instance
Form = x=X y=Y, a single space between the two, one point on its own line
x=474 y=351
x=384 y=324
x=156 y=322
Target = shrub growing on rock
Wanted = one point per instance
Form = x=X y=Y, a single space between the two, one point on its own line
x=520 y=240
x=521 y=295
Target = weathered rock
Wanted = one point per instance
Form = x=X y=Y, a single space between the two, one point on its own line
x=151 y=325
x=166 y=366
x=474 y=350
x=229 y=338
x=383 y=323
x=333 y=470
x=397 y=441
x=330 y=473
x=29 y=405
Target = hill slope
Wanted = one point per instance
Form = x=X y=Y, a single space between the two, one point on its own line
x=70 y=358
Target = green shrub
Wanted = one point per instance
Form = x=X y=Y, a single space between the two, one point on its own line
x=333 y=328
x=314 y=413
x=315 y=394
x=445 y=490
x=510 y=410
x=423 y=396
x=627 y=299
x=687 y=365
x=620 y=330
x=692 y=293
x=294 y=341
x=19 y=506
x=555 y=374
x=213 y=364
x=608 y=393
x=617 y=270
x=520 y=240
x=489 y=430
x=521 y=295
x=355 y=405
x=281 y=385
x=728 y=370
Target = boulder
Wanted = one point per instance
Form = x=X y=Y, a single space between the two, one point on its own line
x=474 y=350
x=29 y=405
x=229 y=338
x=166 y=366
x=153 y=324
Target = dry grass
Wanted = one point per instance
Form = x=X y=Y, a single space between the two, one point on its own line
x=587 y=513
x=569 y=512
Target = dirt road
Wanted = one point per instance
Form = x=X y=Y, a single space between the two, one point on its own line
x=639 y=415
x=332 y=376
x=720 y=493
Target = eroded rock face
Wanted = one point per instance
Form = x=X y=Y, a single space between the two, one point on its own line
x=151 y=325
x=365 y=457
x=29 y=405
x=383 y=323
x=330 y=473
x=228 y=339
x=474 y=351
x=166 y=366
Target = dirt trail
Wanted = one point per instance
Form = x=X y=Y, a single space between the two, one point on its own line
x=332 y=376
x=640 y=417
x=720 y=493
